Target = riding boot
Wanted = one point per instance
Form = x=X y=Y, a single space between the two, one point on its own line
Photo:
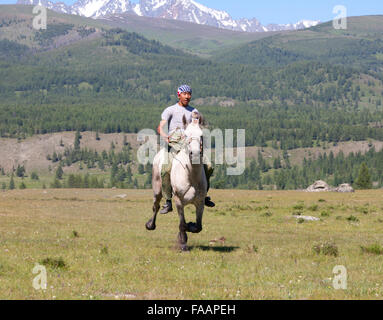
x=209 y=203
x=167 y=207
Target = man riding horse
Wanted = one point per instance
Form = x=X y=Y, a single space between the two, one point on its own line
x=172 y=116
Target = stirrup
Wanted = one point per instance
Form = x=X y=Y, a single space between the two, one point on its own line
x=167 y=207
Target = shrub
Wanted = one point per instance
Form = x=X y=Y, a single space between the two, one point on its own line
x=53 y=263
x=298 y=206
x=252 y=248
x=326 y=248
x=104 y=250
x=374 y=249
x=34 y=176
x=352 y=219
x=313 y=207
x=267 y=214
x=363 y=210
x=325 y=213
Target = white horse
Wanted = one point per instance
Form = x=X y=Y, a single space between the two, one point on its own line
x=188 y=181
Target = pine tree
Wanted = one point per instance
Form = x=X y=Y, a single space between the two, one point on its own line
x=114 y=169
x=71 y=181
x=59 y=172
x=34 y=176
x=77 y=140
x=277 y=163
x=148 y=181
x=101 y=164
x=86 y=181
x=364 y=178
x=55 y=157
x=129 y=174
x=20 y=171
x=11 y=183
x=56 y=184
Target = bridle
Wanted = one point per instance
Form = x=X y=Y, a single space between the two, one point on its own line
x=189 y=141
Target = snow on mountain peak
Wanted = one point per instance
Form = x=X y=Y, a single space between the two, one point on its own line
x=91 y=7
x=186 y=10
x=308 y=23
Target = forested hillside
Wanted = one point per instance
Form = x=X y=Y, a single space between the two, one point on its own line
x=359 y=46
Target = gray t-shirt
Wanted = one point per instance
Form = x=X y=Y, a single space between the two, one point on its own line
x=173 y=115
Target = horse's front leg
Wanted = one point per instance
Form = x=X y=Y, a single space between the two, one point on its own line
x=151 y=224
x=197 y=227
x=182 y=236
x=157 y=190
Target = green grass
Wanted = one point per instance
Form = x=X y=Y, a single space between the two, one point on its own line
x=95 y=246
x=374 y=249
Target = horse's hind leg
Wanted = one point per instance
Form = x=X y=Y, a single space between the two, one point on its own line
x=156 y=183
x=182 y=236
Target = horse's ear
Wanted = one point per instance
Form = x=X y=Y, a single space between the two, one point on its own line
x=184 y=121
x=202 y=122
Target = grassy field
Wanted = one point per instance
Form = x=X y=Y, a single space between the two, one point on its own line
x=95 y=246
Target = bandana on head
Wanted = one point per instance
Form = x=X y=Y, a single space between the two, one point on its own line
x=184 y=88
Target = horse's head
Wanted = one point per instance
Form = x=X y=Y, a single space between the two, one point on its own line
x=193 y=137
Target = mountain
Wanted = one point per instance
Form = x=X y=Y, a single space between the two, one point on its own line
x=185 y=10
x=360 y=46
x=191 y=37
x=202 y=40
x=78 y=75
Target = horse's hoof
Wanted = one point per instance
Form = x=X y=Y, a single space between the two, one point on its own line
x=150 y=225
x=193 y=228
x=184 y=248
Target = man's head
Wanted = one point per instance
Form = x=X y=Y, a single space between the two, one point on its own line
x=184 y=94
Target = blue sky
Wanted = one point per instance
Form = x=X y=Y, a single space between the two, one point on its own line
x=282 y=11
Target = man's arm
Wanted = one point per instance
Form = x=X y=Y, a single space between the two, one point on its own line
x=161 y=130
